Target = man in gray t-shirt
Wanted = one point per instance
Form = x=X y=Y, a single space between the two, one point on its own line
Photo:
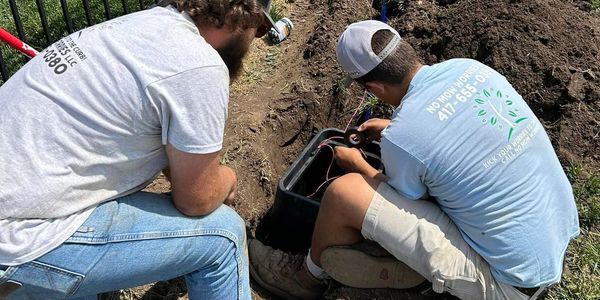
x=95 y=117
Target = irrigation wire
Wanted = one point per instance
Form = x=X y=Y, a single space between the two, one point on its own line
x=327 y=179
x=356 y=111
x=325 y=143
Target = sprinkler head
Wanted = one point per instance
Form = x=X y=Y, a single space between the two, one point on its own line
x=279 y=30
x=354 y=138
x=282 y=29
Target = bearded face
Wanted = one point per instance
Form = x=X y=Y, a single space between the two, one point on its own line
x=233 y=52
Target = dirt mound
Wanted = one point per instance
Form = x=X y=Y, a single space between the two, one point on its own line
x=548 y=50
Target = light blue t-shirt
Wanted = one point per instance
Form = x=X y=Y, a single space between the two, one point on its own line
x=466 y=137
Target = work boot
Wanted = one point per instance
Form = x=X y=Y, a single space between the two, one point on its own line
x=283 y=274
x=367 y=265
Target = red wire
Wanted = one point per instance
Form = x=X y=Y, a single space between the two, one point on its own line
x=331 y=162
x=333 y=178
x=355 y=111
x=327 y=179
x=326 y=143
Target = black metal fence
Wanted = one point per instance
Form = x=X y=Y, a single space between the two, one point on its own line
x=70 y=28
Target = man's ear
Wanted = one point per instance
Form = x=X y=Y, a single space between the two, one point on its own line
x=375 y=87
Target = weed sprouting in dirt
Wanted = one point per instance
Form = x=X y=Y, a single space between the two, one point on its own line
x=277 y=10
x=376 y=108
x=271 y=58
x=339 y=90
x=265 y=175
x=596 y=5
x=224 y=160
x=256 y=69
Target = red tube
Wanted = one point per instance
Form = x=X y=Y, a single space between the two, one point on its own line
x=14 y=42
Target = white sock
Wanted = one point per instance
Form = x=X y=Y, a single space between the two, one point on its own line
x=314 y=269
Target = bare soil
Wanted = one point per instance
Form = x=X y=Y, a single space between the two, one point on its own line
x=548 y=49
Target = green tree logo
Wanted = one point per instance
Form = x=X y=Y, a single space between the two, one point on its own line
x=496 y=109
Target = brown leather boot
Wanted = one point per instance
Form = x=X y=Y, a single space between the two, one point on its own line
x=283 y=274
x=367 y=265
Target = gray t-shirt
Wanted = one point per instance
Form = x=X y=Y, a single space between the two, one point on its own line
x=86 y=121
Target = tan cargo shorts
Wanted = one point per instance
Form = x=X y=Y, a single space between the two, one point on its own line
x=422 y=236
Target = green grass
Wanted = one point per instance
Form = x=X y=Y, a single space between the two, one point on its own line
x=596 y=5
x=378 y=108
x=32 y=25
x=256 y=68
x=277 y=10
x=582 y=281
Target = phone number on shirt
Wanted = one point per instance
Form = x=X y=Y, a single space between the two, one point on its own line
x=460 y=92
x=64 y=56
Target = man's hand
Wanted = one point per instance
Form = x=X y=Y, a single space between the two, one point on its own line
x=373 y=127
x=351 y=160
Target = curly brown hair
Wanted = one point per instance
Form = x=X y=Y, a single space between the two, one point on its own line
x=234 y=14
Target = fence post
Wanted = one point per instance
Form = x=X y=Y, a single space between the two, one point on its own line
x=44 y=20
x=107 y=9
x=17 y=19
x=65 y=10
x=125 y=7
x=86 y=10
x=3 y=71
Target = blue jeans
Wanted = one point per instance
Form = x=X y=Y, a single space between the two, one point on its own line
x=136 y=240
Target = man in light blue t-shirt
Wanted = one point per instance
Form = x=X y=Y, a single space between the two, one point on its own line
x=500 y=210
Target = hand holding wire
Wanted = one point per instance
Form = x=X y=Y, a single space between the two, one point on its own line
x=351 y=160
x=372 y=128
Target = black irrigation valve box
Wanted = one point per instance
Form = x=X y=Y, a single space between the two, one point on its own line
x=294 y=212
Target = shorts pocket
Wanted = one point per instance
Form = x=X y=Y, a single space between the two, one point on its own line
x=464 y=288
x=462 y=280
x=43 y=281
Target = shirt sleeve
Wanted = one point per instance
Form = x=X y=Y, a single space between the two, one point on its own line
x=192 y=108
x=405 y=172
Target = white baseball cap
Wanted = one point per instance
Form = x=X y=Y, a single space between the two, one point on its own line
x=354 y=52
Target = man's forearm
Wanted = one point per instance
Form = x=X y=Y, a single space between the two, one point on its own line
x=202 y=199
x=228 y=180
